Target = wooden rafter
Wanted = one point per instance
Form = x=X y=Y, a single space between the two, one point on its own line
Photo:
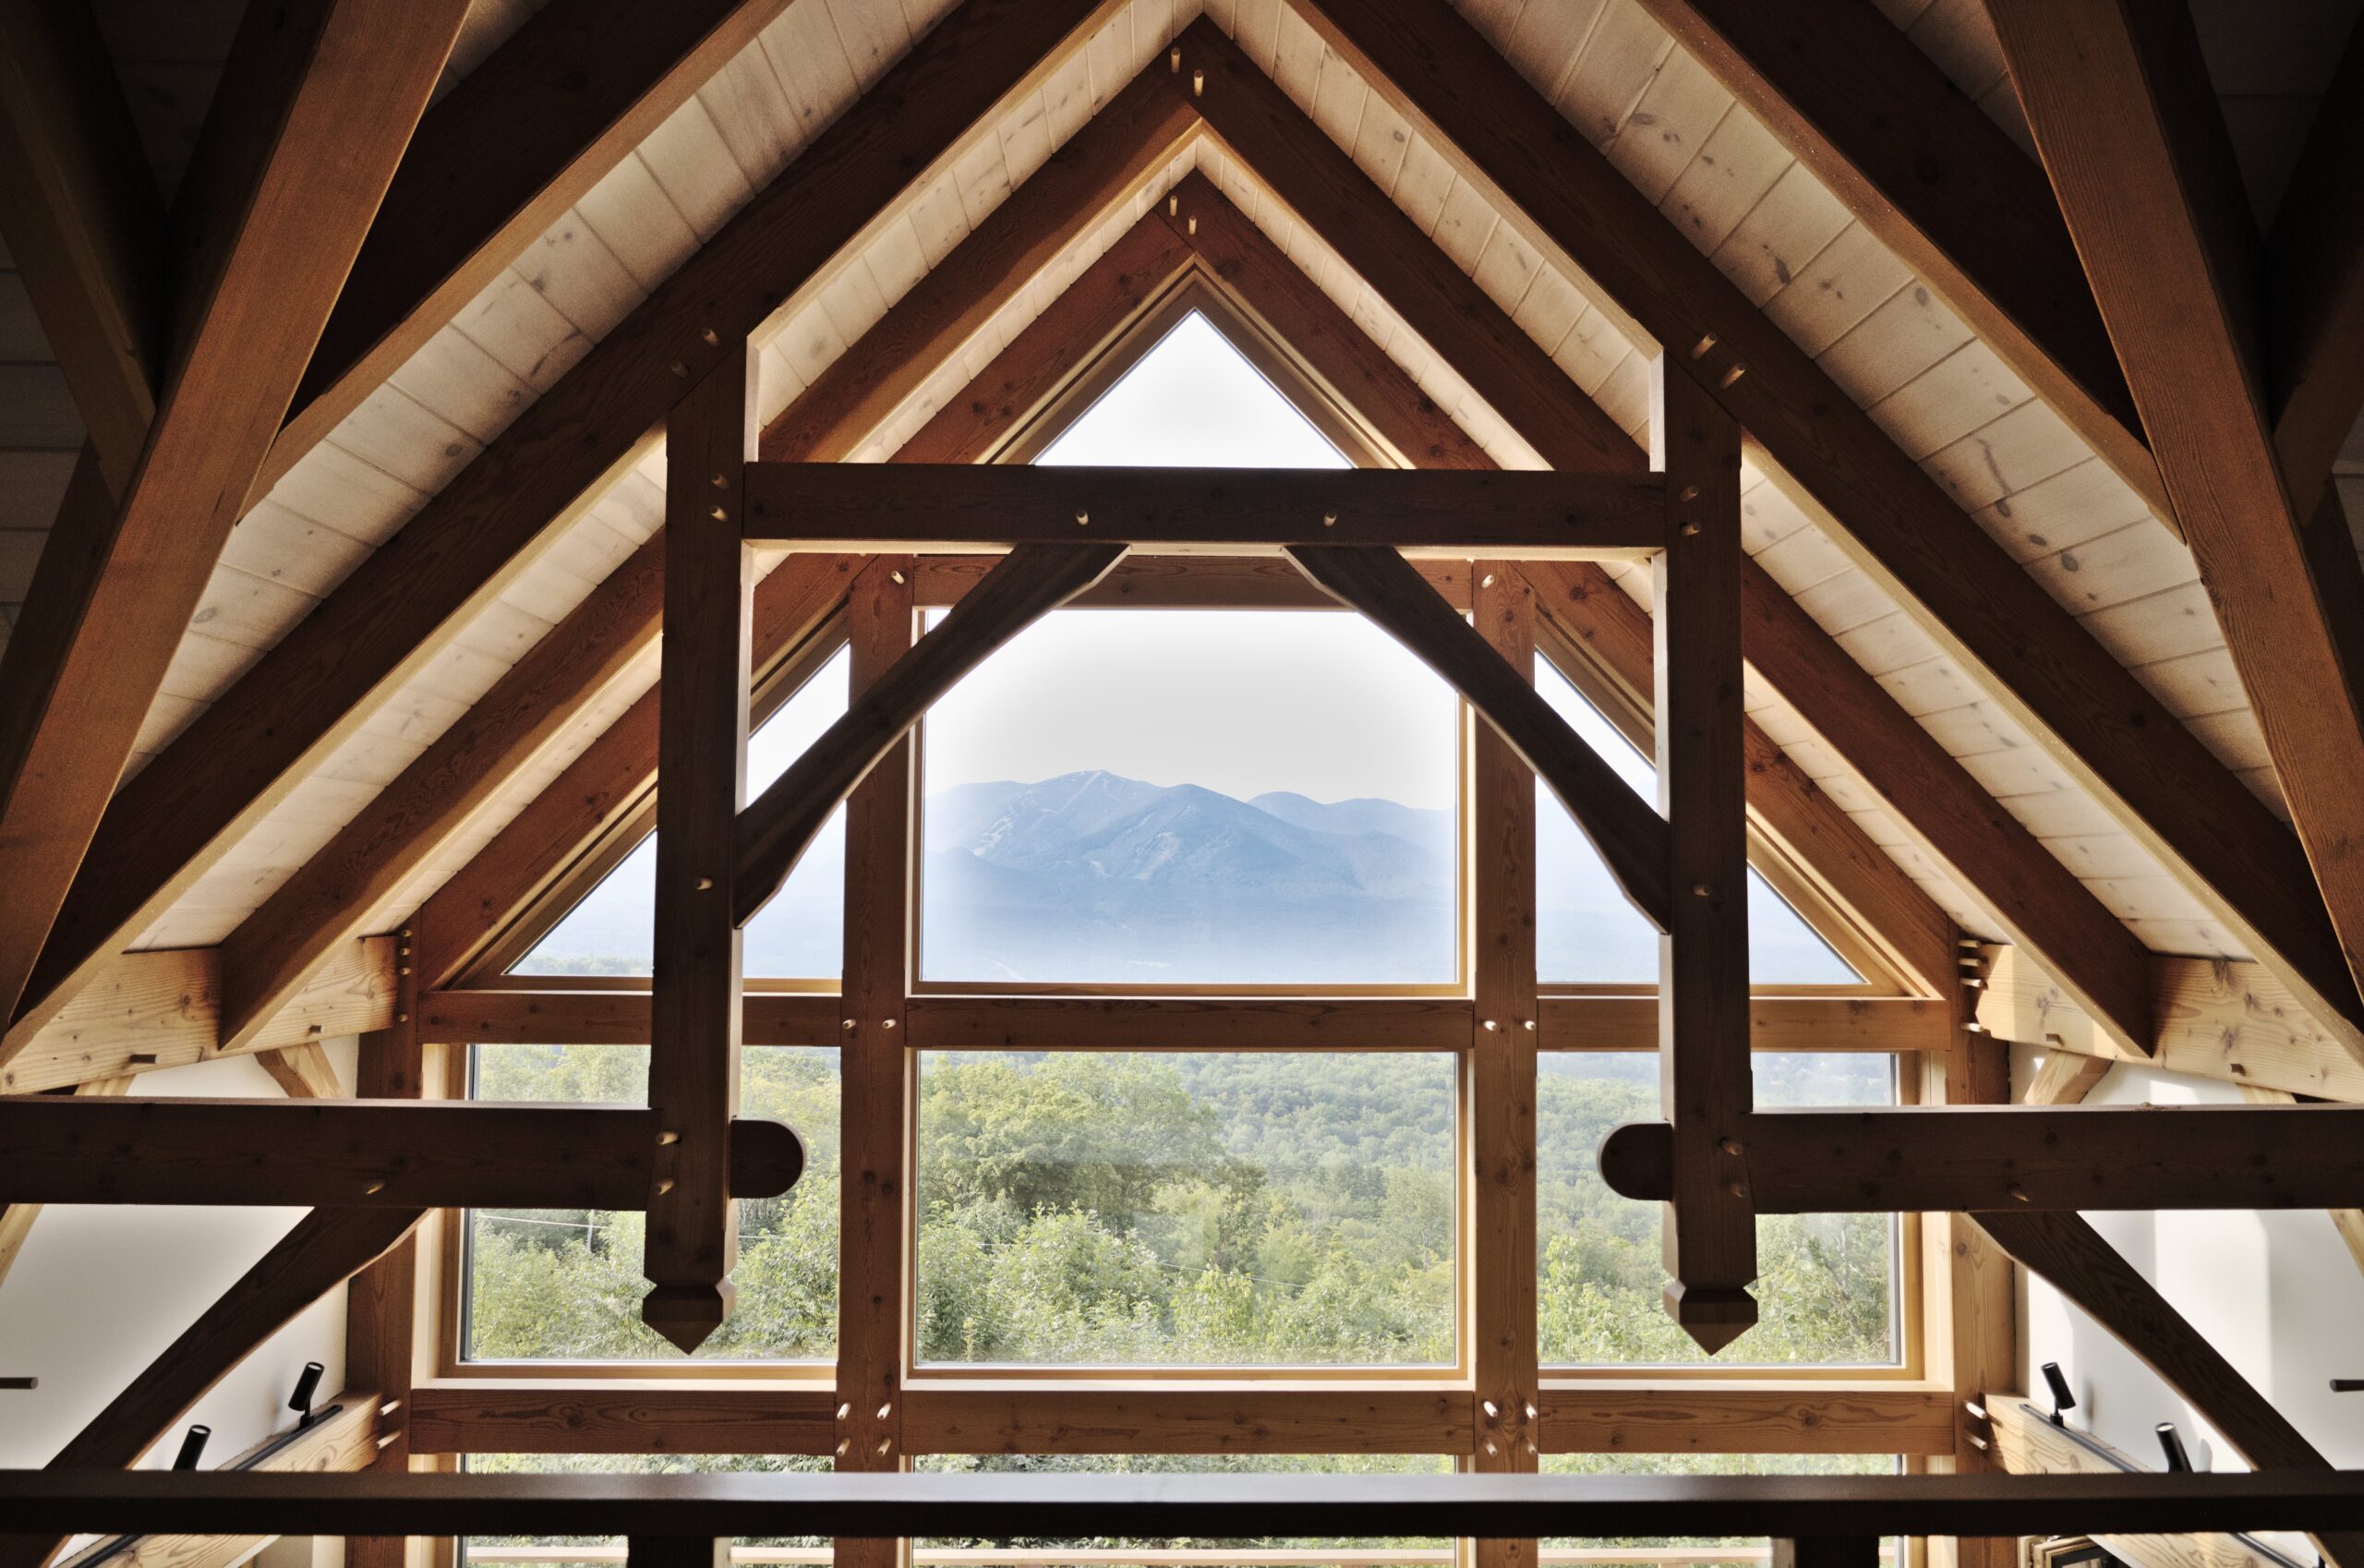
x=2086 y=1269
x=312 y=113
x=1924 y=1159
x=1935 y=181
x=2027 y=1444
x=17 y=1219
x=2091 y=715
x=1630 y=837
x=780 y=824
x=312 y=689
x=496 y=162
x=2123 y=111
x=2065 y=1079
x=359 y=1153
x=1452 y=514
x=84 y=224
x=2314 y=289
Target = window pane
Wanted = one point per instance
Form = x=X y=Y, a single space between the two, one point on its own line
x=1192 y=402
x=1827 y=1287
x=1192 y=798
x=566 y=1284
x=1431 y=1552
x=1185 y=1209
x=1587 y=933
x=798 y=935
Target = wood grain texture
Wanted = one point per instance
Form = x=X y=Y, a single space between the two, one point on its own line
x=1924 y=1159
x=84 y=223
x=1894 y=521
x=376 y=1155
x=381 y=1339
x=780 y=824
x=1775 y=1023
x=456 y=555
x=612 y=780
x=1705 y=1087
x=1624 y=1417
x=1050 y=1023
x=497 y=161
x=2026 y=1444
x=2036 y=900
x=2123 y=114
x=1455 y=513
x=302 y=1072
x=693 y=1240
x=1620 y=824
x=2065 y=1079
x=1194 y=581
x=1168 y=1418
x=1136 y=134
x=313 y=112
x=2314 y=280
x=607 y=1017
x=620 y=1416
x=162 y=1009
x=1939 y=184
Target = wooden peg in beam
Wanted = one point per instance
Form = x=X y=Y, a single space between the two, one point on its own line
x=1710 y=1224
x=702 y=765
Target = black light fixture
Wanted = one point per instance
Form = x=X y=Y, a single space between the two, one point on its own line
x=306 y=1386
x=2061 y=1398
x=192 y=1447
x=2171 y=1445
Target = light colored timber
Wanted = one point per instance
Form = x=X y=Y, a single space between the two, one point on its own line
x=1775 y=1023
x=84 y=223
x=2027 y=1444
x=313 y=111
x=1276 y=1417
x=1630 y=1415
x=2065 y=1079
x=780 y=824
x=2314 y=286
x=620 y=1416
x=2123 y=114
x=2026 y=1158
x=2223 y=1019
x=2084 y=1267
x=1385 y=587
x=315 y=688
x=1893 y=521
x=376 y=1154
x=1939 y=184
x=335 y=1443
x=17 y=1219
x=607 y=1017
x=1453 y=514
x=692 y=1237
x=497 y=160
x=302 y=1071
x=162 y=1009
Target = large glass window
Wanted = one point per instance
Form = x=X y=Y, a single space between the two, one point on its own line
x=1586 y=932
x=798 y=935
x=1828 y=1285
x=566 y=1285
x=1198 y=1209
x=1186 y=798
x=1193 y=401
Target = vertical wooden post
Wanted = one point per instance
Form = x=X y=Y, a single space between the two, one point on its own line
x=1710 y=1228
x=1499 y=1081
x=380 y=1302
x=873 y=1069
x=701 y=766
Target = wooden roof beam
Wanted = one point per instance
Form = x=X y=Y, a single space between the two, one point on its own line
x=312 y=113
x=2088 y=711
x=2314 y=291
x=1935 y=181
x=84 y=223
x=402 y=607
x=495 y=162
x=17 y=1219
x=2123 y=114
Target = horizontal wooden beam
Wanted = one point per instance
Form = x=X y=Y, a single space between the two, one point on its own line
x=359 y=1153
x=1618 y=1416
x=605 y=1017
x=1182 y=581
x=1275 y=1418
x=1227 y=1023
x=162 y=1009
x=2228 y=1019
x=621 y=1416
x=885 y=508
x=887 y=1504
x=1776 y=1023
x=2013 y=1158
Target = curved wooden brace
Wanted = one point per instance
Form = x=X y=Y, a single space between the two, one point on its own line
x=779 y=824
x=1630 y=837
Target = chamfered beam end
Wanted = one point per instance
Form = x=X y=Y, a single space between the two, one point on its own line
x=1713 y=1316
x=688 y=1314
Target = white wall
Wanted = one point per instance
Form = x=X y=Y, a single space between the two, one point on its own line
x=2277 y=1292
x=99 y=1292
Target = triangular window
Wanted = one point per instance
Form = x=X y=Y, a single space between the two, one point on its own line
x=1584 y=931
x=1193 y=400
x=798 y=935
